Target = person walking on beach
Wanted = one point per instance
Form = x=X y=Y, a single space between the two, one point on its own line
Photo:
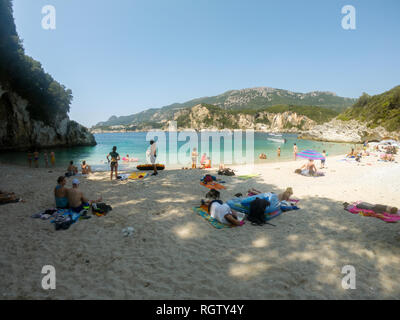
x=36 y=158
x=52 y=159
x=194 y=158
x=153 y=156
x=113 y=162
x=323 y=160
x=295 y=150
x=279 y=152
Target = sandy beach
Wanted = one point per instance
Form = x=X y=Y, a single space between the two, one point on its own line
x=175 y=254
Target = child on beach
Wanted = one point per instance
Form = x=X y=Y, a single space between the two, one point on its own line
x=194 y=158
x=323 y=160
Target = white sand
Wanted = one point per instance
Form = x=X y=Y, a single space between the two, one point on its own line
x=175 y=254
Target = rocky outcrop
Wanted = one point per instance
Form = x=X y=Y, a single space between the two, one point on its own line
x=19 y=131
x=201 y=117
x=347 y=131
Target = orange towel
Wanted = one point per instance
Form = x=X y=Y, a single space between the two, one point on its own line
x=213 y=185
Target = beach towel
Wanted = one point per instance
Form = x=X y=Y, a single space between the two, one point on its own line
x=270 y=212
x=247 y=176
x=305 y=173
x=203 y=212
x=387 y=217
x=213 y=185
x=138 y=175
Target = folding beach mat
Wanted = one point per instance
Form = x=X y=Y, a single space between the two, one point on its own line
x=213 y=185
x=387 y=217
x=203 y=212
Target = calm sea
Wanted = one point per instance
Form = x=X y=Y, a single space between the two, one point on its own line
x=136 y=145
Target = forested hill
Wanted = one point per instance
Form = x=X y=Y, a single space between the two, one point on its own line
x=33 y=106
x=379 y=110
x=238 y=100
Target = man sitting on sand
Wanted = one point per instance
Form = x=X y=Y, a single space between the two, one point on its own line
x=76 y=199
x=60 y=193
x=72 y=170
x=86 y=169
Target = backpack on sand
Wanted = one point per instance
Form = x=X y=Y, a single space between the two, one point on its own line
x=257 y=211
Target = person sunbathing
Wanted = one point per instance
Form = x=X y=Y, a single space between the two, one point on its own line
x=262 y=156
x=86 y=169
x=77 y=201
x=221 y=211
x=352 y=153
x=378 y=208
x=60 y=193
x=8 y=197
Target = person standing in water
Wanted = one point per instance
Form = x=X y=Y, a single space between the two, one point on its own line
x=295 y=150
x=153 y=156
x=46 y=159
x=194 y=158
x=36 y=158
x=279 y=152
x=114 y=161
x=30 y=157
x=52 y=159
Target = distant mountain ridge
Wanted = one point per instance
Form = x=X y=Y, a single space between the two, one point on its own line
x=236 y=100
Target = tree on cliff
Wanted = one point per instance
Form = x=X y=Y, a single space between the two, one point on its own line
x=47 y=98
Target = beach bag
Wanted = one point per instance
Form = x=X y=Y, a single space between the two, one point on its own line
x=101 y=208
x=257 y=211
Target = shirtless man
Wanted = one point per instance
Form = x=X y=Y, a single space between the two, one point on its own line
x=36 y=158
x=72 y=170
x=76 y=199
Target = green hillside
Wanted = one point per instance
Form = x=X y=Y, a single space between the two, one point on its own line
x=379 y=110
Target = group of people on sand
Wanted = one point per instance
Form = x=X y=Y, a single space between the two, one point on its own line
x=33 y=157
x=113 y=157
x=71 y=198
x=72 y=170
x=224 y=214
x=205 y=162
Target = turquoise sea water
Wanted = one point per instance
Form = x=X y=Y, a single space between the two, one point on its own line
x=135 y=144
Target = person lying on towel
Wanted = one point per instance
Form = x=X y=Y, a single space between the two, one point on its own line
x=221 y=211
x=378 y=208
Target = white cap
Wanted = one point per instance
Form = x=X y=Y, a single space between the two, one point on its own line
x=75 y=181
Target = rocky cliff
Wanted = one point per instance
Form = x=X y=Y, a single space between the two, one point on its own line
x=347 y=131
x=209 y=117
x=19 y=131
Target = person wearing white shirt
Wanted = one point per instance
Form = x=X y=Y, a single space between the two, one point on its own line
x=153 y=156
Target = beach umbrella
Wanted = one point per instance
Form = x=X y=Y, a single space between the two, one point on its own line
x=310 y=154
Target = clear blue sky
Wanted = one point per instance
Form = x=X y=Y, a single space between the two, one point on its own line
x=124 y=56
